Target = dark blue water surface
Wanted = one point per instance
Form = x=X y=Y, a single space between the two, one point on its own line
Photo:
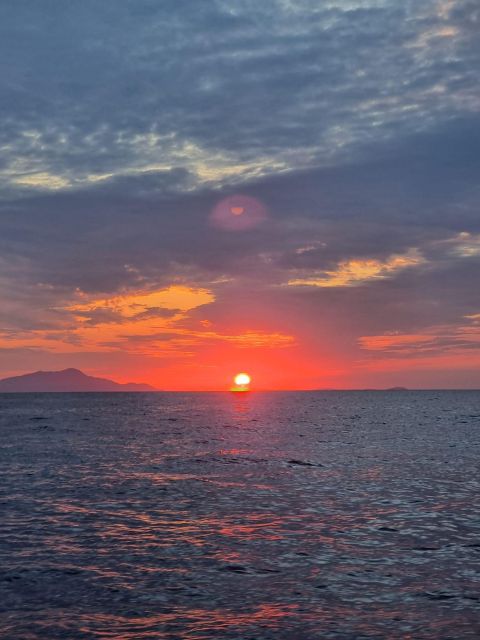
x=294 y=516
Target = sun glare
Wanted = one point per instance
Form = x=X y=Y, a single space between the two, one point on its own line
x=241 y=382
x=242 y=379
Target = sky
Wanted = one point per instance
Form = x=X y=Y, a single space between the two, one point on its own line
x=288 y=188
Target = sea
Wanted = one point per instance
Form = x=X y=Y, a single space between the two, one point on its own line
x=246 y=516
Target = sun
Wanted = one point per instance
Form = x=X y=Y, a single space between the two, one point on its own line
x=241 y=382
x=242 y=379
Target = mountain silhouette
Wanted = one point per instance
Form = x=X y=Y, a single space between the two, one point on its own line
x=66 y=380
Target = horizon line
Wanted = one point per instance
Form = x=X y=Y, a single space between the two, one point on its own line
x=329 y=389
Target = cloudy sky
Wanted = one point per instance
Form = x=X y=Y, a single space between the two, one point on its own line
x=287 y=187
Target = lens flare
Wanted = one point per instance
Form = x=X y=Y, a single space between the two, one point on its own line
x=238 y=213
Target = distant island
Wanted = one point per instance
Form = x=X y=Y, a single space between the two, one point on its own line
x=68 y=380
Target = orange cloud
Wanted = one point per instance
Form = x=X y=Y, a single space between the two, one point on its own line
x=140 y=323
x=446 y=346
x=394 y=341
x=129 y=305
x=355 y=272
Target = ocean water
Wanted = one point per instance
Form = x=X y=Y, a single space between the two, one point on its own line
x=253 y=516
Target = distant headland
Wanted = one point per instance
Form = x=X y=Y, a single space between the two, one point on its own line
x=67 y=380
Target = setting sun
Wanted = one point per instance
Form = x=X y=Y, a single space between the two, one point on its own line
x=241 y=382
x=242 y=379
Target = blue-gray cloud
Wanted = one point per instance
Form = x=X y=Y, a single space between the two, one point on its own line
x=97 y=91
